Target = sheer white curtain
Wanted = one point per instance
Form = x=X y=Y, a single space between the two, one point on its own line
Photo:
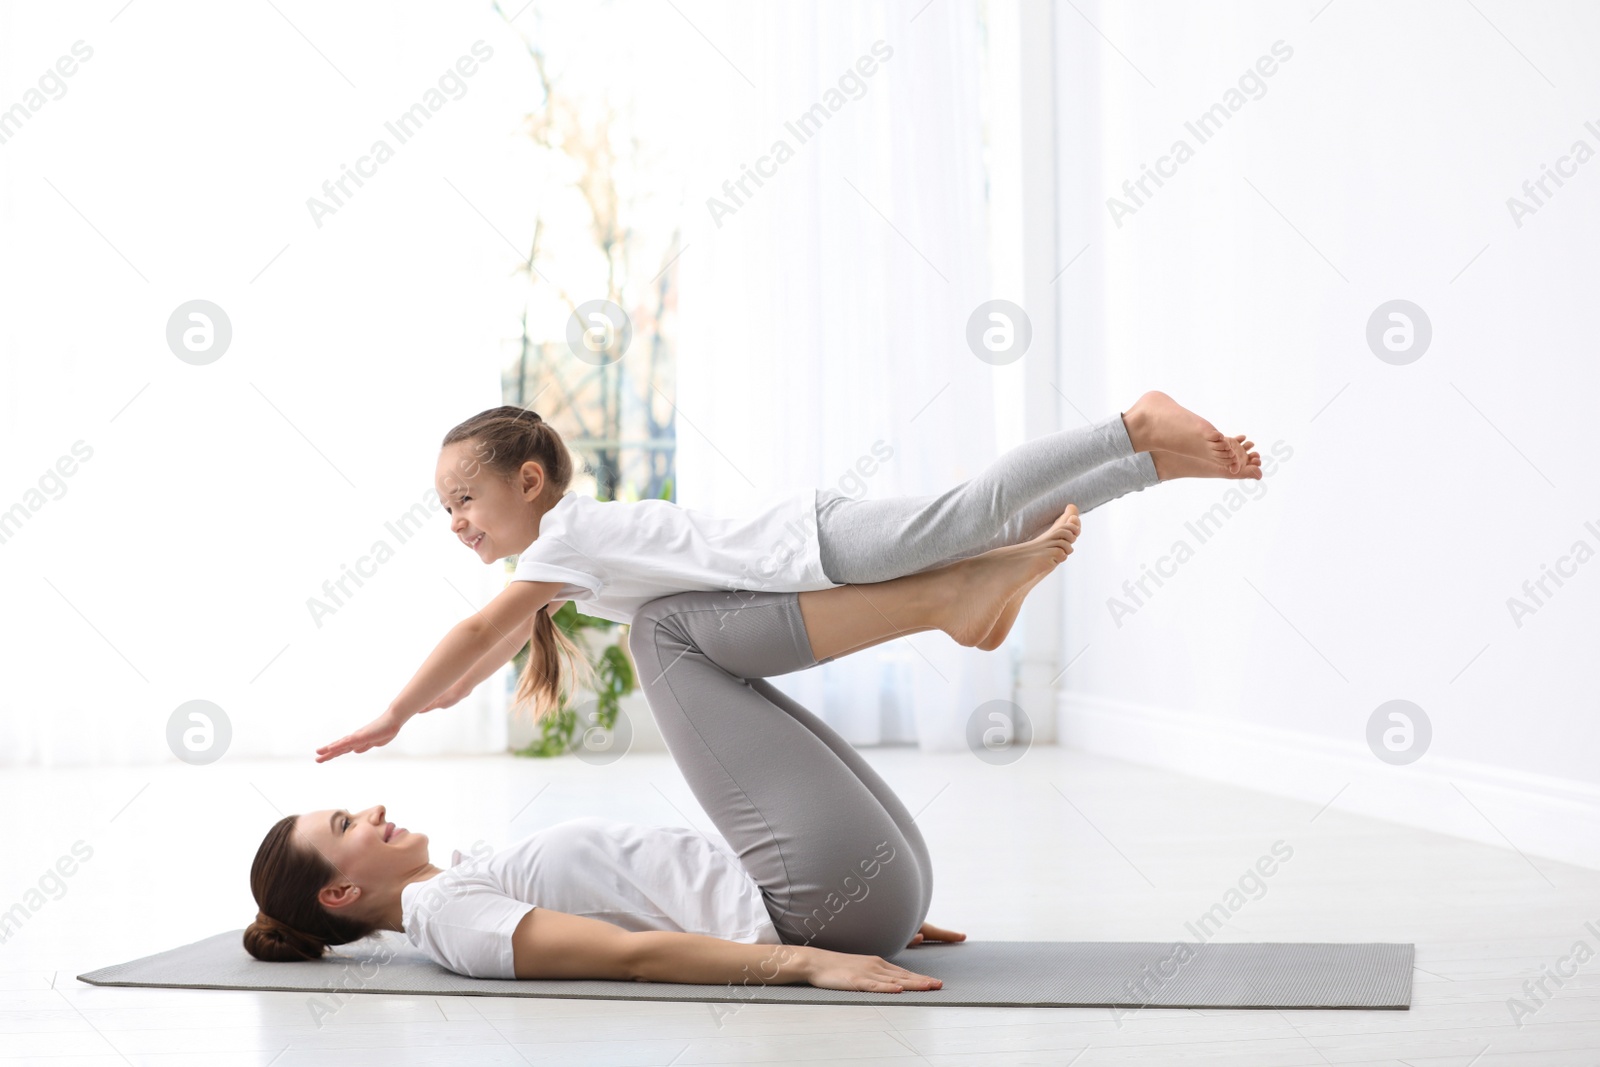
x=167 y=527
x=823 y=321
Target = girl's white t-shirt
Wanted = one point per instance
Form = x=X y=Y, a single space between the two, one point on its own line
x=636 y=877
x=614 y=557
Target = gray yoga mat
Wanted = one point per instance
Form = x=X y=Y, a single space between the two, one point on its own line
x=1022 y=974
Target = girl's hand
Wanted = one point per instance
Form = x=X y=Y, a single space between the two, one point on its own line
x=930 y=932
x=872 y=974
x=379 y=731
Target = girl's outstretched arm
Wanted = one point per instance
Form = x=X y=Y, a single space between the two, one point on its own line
x=466 y=643
x=500 y=653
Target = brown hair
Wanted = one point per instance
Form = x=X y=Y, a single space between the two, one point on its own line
x=291 y=924
x=502 y=440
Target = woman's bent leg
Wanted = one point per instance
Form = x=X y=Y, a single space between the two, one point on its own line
x=892 y=804
x=837 y=856
x=866 y=541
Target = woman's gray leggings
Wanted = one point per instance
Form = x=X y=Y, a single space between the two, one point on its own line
x=839 y=859
x=837 y=856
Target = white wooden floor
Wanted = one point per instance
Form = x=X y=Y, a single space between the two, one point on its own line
x=1059 y=845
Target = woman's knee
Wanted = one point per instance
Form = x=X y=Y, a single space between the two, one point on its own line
x=664 y=630
x=652 y=622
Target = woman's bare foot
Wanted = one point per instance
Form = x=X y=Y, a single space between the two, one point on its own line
x=1008 y=617
x=981 y=589
x=1170 y=465
x=1156 y=422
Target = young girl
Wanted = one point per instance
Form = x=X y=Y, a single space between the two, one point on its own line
x=503 y=476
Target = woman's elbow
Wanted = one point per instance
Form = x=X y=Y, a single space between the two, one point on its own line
x=643 y=956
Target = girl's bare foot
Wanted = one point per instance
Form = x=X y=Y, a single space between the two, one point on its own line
x=981 y=588
x=1170 y=465
x=1156 y=422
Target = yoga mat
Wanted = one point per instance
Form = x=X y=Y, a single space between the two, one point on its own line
x=1022 y=974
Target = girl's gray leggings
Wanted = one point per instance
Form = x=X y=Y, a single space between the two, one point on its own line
x=838 y=857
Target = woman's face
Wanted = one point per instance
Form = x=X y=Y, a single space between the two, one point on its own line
x=487 y=513
x=366 y=850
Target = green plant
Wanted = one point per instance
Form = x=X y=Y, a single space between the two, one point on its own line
x=613 y=675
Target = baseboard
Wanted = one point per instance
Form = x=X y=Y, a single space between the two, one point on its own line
x=1539 y=816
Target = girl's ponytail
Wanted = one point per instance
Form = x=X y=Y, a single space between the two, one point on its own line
x=555 y=667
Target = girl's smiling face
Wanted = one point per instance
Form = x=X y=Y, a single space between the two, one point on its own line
x=491 y=515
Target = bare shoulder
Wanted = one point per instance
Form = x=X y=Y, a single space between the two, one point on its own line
x=553 y=944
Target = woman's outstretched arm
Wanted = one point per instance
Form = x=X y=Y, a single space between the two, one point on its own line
x=552 y=944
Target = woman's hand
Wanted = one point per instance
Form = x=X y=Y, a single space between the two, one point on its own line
x=379 y=731
x=930 y=932
x=872 y=974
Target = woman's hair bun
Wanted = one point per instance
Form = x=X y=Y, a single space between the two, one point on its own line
x=267 y=939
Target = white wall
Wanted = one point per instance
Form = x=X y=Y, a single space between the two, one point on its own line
x=179 y=561
x=1406 y=503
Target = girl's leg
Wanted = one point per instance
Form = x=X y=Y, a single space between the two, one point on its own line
x=1106 y=483
x=867 y=541
x=1102 y=485
x=838 y=857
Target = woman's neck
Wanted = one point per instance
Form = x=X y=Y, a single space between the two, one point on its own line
x=392 y=915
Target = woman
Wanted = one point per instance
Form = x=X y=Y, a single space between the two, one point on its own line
x=832 y=874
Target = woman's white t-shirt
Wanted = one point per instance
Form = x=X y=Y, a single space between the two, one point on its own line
x=614 y=557
x=636 y=877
